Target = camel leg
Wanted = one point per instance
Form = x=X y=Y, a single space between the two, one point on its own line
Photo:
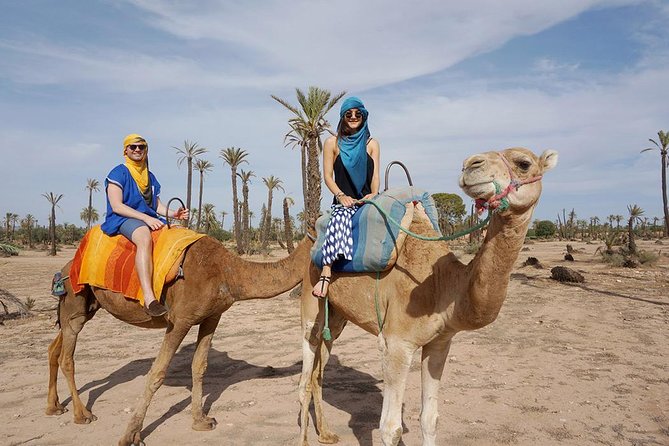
x=396 y=362
x=199 y=367
x=325 y=434
x=314 y=358
x=432 y=366
x=173 y=338
x=73 y=314
x=53 y=406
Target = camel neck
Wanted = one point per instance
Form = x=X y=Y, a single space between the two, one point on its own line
x=489 y=272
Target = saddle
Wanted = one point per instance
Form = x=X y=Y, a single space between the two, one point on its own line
x=109 y=262
x=376 y=241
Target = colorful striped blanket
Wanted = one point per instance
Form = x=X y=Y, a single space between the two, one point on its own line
x=109 y=262
x=377 y=242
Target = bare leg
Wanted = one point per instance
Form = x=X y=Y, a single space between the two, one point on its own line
x=199 y=367
x=396 y=362
x=175 y=334
x=321 y=287
x=432 y=367
x=141 y=237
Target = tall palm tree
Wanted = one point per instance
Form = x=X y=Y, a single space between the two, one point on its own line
x=635 y=214
x=91 y=185
x=28 y=222
x=309 y=123
x=662 y=144
x=189 y=153
x=223 y=214
x=8 y=223
x=234 y=156
x=203 y=166
x=245 y=224
x=619 y=218
x=53 y=199
x=287 y=226
x=272 y=183
x=297 y=137
x=14 y=221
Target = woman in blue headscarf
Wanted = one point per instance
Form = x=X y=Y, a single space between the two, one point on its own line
x=351 y=172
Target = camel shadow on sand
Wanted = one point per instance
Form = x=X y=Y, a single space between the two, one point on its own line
x=354 y=392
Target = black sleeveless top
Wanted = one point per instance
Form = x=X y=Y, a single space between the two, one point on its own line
x=344 y=182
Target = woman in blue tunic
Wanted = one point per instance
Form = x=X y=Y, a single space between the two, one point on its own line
x=351 y=172
x=133 y=209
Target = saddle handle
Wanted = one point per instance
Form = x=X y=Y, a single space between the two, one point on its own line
x=167 y=209
x=406 y=171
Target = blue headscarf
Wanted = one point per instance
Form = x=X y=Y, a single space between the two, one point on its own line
x=353 y=148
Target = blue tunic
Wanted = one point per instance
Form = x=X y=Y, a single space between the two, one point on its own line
x=120 y=176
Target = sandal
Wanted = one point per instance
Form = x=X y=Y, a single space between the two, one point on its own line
x=155 y=309
x=322 y=280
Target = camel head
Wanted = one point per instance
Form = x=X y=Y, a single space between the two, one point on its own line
x=514 y=174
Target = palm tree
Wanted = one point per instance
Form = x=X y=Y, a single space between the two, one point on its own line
x=287 y=226
x=272 y=183
x=223 y=214
x=14 y=221
x=209 y=215
x=202 y=166
x=663 y=146
x=8 y=222
x=91 y=185
x=189 y=153
x=308 y=124
x=635 y=214
x=28 y=222
x=89 y=215
x=53 y=199
x=297 y=137
x=619 y=218
x=234 y=156
x=246 y=229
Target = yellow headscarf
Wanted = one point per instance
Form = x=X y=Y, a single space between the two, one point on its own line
x=138 y=169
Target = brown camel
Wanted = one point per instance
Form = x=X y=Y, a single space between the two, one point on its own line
x=214 y=278
x=427 y=297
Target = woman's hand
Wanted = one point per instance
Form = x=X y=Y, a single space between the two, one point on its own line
x=369 y=196
x=181 y=213
x=347 y=201
x=153 y=223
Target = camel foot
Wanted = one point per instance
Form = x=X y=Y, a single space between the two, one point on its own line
x=394 y=438
x=133 y=439
x=205 y=424
x=85 y=418
x=328 y=438
x=57 y=409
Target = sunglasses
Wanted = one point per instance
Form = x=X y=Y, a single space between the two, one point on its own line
x=134 y=147
x=353 y=114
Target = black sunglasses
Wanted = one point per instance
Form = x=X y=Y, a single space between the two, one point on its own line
x=353 y=114
x=134 y=147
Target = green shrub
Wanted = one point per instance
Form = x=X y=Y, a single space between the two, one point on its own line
x=7 y=249
x=647 y=257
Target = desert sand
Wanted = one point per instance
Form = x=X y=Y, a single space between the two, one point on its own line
x=568 y=364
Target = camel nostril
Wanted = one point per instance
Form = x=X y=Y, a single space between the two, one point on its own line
x=475 y=164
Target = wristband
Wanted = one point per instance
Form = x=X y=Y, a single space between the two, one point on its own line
x=340 y=194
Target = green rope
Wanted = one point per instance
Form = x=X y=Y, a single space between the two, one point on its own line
x=326 y=327
x=504 y=204
x=376 y=302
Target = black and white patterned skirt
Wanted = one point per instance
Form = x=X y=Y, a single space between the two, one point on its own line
x=338 y=242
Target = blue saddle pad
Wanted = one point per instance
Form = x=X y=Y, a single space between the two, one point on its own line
x=374 y=237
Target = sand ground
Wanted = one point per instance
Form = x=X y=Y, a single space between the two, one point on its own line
x=583 y=364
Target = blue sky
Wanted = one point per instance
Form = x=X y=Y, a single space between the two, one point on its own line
x=442 y=80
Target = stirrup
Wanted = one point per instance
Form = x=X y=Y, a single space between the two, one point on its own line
x=322 y=280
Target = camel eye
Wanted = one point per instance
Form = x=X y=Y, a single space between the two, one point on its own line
x=524 y=165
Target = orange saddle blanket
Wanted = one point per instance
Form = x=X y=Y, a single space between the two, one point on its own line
x=109 y=262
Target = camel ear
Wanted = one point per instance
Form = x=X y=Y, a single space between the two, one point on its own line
x=549 y=160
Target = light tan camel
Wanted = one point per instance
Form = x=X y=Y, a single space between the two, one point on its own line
x=427 y=297
x=214 y=278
